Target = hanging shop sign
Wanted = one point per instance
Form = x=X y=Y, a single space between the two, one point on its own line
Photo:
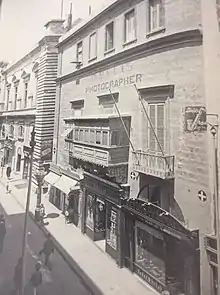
x=46 y=150
x=195 y=119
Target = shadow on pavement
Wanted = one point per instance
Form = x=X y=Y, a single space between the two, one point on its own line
x=52 y=215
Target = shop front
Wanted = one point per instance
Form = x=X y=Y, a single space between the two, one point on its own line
x=64 y=192
x=102 y=218
x=160 y=249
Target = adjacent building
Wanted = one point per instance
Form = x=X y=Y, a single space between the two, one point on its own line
x=27 y=99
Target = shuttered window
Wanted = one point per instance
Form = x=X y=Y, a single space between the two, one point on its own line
x=156 y=14
x=157 y=117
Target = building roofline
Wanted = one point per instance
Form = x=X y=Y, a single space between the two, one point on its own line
x=88 y=22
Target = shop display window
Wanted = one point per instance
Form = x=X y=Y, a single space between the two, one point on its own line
x=100 y=215
x=112 y=224
x=90 y=201
x=150 y=251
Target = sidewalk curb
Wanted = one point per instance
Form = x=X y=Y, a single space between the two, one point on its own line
x=84 y=278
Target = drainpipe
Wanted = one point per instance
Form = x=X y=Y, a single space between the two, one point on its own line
x=58 y=106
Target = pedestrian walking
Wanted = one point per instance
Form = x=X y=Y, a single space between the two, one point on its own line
x=36 y=278
x=8 y=188
x=18 y=276
x=2 y=231
x=48 y=249
x=8 y=171
x=67 y=215
x=42 y=213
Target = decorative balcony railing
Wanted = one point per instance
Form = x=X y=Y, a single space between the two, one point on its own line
x=153 y=164
x=104 y=156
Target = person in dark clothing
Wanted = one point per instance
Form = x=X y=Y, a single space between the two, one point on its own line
x=17 y=276
x=2 y=232
x=36 y=278
x=48 y=249
x=8 y=171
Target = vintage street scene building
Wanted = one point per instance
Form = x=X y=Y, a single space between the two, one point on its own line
x=125 y=106
x=131 y=118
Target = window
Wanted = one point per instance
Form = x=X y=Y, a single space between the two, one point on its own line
x=109 y=36
x=81 y=135
x=79 y=52
x=130 y=26
x=11 y=130
x=93 y=46
x=76 y=136
x=107 y=103
x=92 y=136
x=8 y=98
x=157 y=117
x=16 y=96
x=86 y=135
x=77 y=107
x=105 y=138
x=149 y=254
x=25 y=94
x=156 y=14
x=98 y=137
x=21 y=131
x=90 y=210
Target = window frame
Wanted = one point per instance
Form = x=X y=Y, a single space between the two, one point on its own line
x=156 y=103
x=126 y=41
x=91 y=58
x=77 y=51
x=25 y=94
x=159 y=27
x=112 y=22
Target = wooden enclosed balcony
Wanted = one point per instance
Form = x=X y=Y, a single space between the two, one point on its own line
x=153 y=164
x=104 y=156
x=99 y=140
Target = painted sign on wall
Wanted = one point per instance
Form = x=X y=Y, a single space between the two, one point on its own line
x=116 y=83
x=195 y=119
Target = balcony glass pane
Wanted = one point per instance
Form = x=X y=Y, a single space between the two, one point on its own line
x=86 y=135
x=105 y=138
x=98 y=137
x=76 y=134
x=115 y=138
x=81 y=135
x=92 y=136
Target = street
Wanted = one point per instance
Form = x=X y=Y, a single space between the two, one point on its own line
x=60 y=280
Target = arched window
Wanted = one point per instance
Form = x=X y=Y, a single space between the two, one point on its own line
x=21 y=131
x=12 y=130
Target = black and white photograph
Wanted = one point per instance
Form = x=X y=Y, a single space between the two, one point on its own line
x=109 y=147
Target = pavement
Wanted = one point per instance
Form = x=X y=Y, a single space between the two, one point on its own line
x=97 y=271
x=59 y=280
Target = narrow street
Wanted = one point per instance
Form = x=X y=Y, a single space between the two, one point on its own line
x=60 y=280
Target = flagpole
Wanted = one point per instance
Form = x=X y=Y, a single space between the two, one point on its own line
x=61 y=10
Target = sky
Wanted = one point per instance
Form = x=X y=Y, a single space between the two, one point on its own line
x=22 y=22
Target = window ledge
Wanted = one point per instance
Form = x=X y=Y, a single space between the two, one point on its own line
x=155 y=32
x=109 y=51
x=129 y=42
x=92 y=59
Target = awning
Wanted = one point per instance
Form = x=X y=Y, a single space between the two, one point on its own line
x=66 y=132
x=52 y=178
x=66 y=184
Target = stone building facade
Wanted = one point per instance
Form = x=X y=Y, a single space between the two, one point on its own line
x=28 y=90
x=133 y=94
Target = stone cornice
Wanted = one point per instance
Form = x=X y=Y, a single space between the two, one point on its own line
x=165 y=43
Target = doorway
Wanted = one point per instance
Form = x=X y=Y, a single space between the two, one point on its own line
x=18 y=164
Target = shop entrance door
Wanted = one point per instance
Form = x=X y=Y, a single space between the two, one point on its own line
x=100 y=219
